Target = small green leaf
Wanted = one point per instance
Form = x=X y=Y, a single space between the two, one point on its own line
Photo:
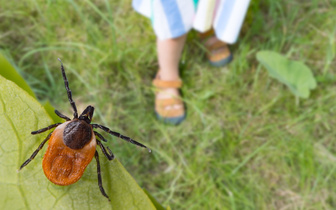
x=20 y=114
x=9 y=72
x=296 y=75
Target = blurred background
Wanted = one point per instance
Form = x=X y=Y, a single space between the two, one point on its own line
x=247 y=142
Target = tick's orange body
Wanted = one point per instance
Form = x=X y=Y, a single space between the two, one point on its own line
x=63 y=165
x=72 y=145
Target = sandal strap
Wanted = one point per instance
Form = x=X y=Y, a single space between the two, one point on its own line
x=169 y=102
x=216 y=45
x=213 y=46
x=167 y=84
x=161 y=104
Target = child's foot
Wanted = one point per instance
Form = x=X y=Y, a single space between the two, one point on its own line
x=169 y=106
x=218 y=52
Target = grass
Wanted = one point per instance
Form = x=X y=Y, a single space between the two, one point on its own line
x=246 y=143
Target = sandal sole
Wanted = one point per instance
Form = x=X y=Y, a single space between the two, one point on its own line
x=222 y=62
x=171 y=120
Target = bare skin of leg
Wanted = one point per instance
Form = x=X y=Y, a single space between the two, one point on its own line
x=169 y=53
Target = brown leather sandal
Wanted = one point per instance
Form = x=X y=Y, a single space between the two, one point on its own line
x=218 y=52
x=164 y=107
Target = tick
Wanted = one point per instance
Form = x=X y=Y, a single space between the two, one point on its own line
x=72 y=145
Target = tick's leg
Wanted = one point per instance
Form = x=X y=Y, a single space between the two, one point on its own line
x=66 y=83
x=119 y=135
x=101 y=137
x=62 y=115
x=35 y=152
x=45 y=129
x=108 y=154
x=100 y=184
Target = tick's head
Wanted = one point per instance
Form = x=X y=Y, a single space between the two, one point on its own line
x=87 y=114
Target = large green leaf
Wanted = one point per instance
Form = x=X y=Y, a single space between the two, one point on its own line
x=20 y=114
x=157 y=205
x=296 y=75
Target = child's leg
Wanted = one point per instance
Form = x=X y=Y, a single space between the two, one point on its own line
x=168 y=105
x=169 y=53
